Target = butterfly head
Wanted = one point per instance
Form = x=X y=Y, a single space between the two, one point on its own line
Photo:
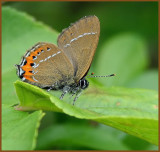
x=83 y=83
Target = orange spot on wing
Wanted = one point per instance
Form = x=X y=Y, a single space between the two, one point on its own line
x=25 y=68
x=28 y=64
x=27 y=73
x=38 y=50
x=29 y=77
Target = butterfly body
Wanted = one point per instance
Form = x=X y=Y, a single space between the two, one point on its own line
x=64 y=67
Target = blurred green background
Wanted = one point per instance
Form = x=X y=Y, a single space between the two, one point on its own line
x=121 y=23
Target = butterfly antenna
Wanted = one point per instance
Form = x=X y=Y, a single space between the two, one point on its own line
x=94 y=76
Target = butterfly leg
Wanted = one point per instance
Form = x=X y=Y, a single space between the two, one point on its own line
x=77 y=95
x=75 y=91
x=66 y=89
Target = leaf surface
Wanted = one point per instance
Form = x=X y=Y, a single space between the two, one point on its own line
x=19 y=129
x=134 y=111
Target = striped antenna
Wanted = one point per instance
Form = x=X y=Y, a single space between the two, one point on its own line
x=94 y=76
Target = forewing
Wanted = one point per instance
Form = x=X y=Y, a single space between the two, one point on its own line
x=50 y=66
x=79 y=43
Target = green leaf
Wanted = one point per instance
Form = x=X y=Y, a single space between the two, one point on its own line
x=134 y=111
x=9 y=96
x=124 y=55
x=19 y=129
x=66 y=135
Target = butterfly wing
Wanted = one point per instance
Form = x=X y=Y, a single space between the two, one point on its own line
x=47 y=65
x=79 y=43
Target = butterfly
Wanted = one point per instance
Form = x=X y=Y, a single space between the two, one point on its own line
x=65 y=66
